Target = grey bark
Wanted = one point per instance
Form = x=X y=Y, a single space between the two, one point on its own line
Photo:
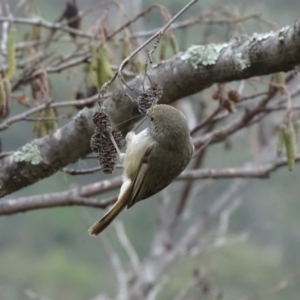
x=183 y=75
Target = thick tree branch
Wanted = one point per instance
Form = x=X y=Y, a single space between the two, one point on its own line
x=201 y=66
x=185 y=74
x=44 y=156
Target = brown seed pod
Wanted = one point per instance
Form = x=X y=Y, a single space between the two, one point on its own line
x=103 y=69
x=234 y=96
x=151 y=96
x=126 y=45
x=11 y=53
x=100 y=119
x=228 y=105
x=51 y=120
x=144 y=101
x=101 y=141
x=118 y=138
x=156 y=90
x=95 y=142
x=36 y=33
x=290 y=145
x=280 y=139
x=174 y=44
x=3 y=101
x=163 y=47
x=296 y=125
x=71 y=14
x=217 y=95
x=280 y=81
x=107 y=153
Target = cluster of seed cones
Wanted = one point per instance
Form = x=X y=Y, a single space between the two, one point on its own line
x=104 y=134
x=101 y=141
x=149 y=97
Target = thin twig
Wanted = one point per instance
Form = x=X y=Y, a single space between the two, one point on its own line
x=260 y=171
x=128 y=247
x=6 y=123
x=77 y=196
x=75 y=172
x=80 y=196
x=117 y=267
x=154 y=36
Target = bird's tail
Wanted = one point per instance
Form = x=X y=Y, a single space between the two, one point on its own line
x=122 y=201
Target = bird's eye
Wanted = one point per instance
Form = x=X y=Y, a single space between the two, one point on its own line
x=152 y=119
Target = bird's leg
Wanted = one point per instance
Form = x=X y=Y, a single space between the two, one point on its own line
x=121 y=154
x=128 y=138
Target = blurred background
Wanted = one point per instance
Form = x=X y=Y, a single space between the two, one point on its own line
x=49 y=251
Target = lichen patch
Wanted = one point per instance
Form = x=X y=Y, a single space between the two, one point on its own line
x=28 y=153
x=205 y=55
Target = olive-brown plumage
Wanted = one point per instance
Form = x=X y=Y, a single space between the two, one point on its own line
x=153 y=159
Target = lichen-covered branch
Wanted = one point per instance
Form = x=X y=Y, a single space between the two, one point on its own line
x=44 y=156
x=200 y=66
x=185 y=74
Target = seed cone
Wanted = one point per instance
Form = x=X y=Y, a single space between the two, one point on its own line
x=102 y=144
x=151 y=96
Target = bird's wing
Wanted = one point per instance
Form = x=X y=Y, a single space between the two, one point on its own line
x=131 y=192
x=138 y=184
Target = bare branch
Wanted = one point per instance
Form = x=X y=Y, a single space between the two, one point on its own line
x=81 y=102
x=128 y=247
x=40 y=22
x=77 y=196
x=118 y=268
x=153 y=37
x=261 y=171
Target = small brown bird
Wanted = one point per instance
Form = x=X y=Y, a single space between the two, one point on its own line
x=153 y=159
